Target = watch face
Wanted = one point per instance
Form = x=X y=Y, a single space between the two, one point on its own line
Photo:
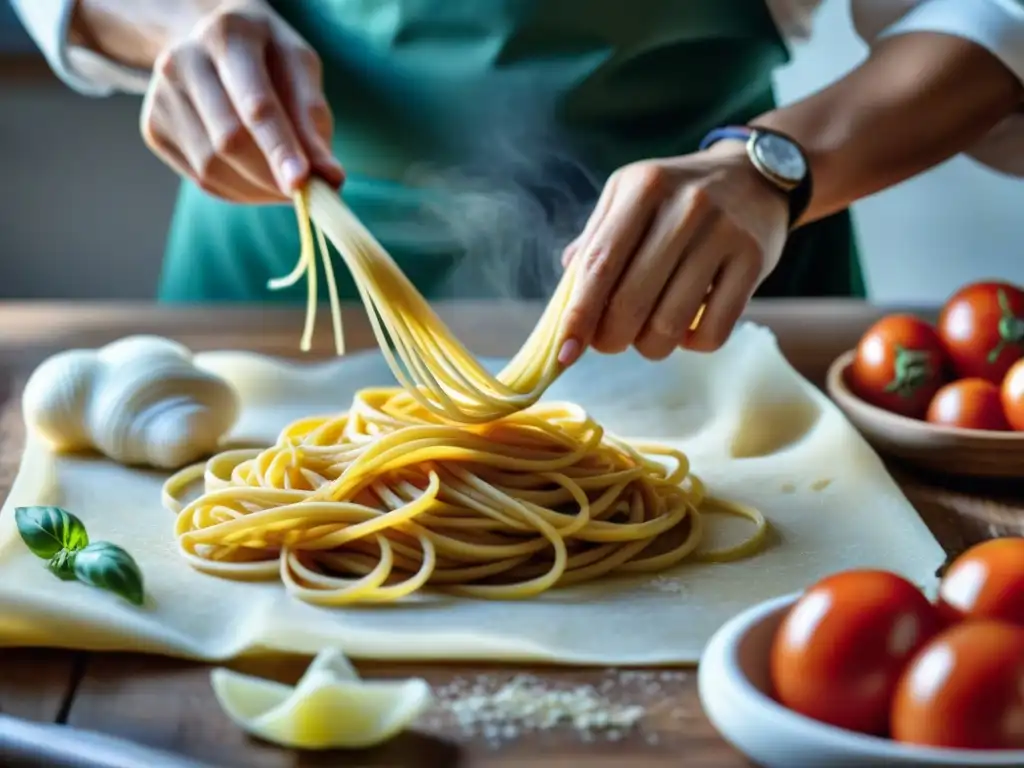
x=781 y=157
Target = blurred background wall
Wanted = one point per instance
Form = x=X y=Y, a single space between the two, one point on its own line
x=84 y=207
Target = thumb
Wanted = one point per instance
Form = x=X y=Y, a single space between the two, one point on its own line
x=569 y=252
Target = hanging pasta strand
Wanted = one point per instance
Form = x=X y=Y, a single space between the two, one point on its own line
x=422 y=352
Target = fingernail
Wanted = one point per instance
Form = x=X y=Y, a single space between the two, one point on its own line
x=291 y=173
x=569 y=352
x=332 y=168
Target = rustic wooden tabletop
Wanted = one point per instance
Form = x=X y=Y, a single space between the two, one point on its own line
x=168 y=704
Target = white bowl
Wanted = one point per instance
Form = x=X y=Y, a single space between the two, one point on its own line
x=733 y=681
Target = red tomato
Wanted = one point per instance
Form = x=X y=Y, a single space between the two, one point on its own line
x=985 y=582
x=965 y=689
x=982 y=326
x=1012 y=395
x=969 y=404
x=899 y=365
x=839 y=652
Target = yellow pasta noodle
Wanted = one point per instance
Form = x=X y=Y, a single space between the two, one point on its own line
x=456 y=480
x=426 y=357
x=373 y=504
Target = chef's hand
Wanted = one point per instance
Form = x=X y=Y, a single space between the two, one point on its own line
x=236 y=104
x=666 y=236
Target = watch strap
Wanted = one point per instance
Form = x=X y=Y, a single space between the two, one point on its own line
x=799 y=196
x=736 y=132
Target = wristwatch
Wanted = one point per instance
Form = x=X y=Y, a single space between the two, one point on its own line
x=777 y=157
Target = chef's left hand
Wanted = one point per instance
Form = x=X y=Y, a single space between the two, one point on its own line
x=666 y=236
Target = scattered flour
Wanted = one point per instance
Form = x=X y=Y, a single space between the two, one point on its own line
x=666 y=584
x=500 y=710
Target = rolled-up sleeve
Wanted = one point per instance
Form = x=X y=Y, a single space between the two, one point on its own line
x=996 y=25
x=47 y=22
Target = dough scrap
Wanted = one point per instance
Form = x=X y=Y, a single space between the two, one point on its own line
x=329 y=708
x=139 y=401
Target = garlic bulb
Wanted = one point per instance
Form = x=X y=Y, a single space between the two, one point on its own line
x=139 y=401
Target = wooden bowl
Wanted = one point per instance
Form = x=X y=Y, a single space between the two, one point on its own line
x=948 y=450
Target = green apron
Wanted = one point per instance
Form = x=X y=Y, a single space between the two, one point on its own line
x=477 y=134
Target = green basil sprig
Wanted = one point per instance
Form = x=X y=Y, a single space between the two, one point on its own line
x=62 y=565
x=107 y=566
x=48 y=530
x=55 y=535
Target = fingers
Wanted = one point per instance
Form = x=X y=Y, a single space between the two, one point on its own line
x=226 y=133
x=570 y=251
x=604 y=202
x=243 y=72
x=687 y=289
x=297 y=70
x=637 y=293
x=605 y=254
x=239 y=103
x=670 y=257
x=720 y=274
x=173 y=129
x=734 y=286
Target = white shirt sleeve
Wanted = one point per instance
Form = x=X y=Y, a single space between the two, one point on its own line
x=996 y=25
x=47 y=22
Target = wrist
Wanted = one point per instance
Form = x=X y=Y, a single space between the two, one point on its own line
x=731 y=156
x=775 y=158
x=134 y=33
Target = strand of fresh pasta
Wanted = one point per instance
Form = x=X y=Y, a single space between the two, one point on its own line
x=427 y=359
x=377 y=503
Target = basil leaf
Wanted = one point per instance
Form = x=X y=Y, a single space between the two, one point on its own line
x=107 y=566
x=62 y=565
x=48 y=530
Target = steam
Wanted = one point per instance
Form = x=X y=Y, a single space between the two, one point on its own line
x=513 y=205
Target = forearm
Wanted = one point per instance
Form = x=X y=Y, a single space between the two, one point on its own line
x=133 y=32
x=919 y=99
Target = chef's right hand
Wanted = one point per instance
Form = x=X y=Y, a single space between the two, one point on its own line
x=236 y=104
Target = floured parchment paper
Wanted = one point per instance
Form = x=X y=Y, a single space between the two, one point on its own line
x=756 y=431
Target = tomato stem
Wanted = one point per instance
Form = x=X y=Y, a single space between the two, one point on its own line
x=1011 y=328
x=911 y=369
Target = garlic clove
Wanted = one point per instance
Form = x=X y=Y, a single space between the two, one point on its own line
x=56 y=399
x=176 y=432
x=139 y=401
x=163 y=398
x=329 y=708
x=134 y=349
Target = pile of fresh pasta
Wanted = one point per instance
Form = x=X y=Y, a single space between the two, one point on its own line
x=457 y=480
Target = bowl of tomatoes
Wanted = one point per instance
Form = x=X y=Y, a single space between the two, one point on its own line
x=947 y=396
x=863 y=669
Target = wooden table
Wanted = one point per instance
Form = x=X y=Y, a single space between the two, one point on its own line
x=168 y=704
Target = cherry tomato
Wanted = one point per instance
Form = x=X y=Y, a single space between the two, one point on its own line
x=985 y=582
x=982 y=326
x=1012 y=395
x=965 y=689
x=899 y=365
x=839 y=652
x=969 y=404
